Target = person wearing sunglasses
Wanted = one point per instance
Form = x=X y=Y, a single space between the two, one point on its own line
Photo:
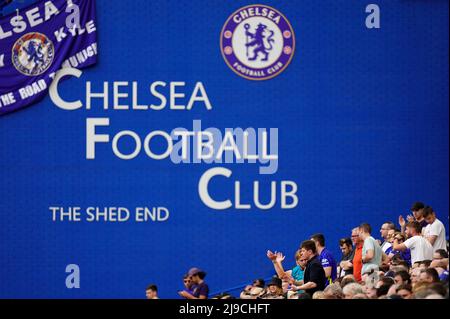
x=402 y=254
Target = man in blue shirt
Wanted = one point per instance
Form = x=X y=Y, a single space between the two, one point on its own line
x=200 y=289
x=326 y=258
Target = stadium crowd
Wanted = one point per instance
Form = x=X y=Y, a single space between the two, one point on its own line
x=409 y=262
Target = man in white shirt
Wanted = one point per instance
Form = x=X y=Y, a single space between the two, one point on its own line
x=420 y=248
x=434 y=232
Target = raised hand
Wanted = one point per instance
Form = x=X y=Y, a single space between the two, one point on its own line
x=410 y=218
x=271 y=255
x=401 y=221
x=279 y=257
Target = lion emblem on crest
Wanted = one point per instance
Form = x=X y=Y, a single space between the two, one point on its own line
x=32 y=54
x=258 y=41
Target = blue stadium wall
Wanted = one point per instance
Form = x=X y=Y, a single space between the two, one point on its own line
x=363 y=130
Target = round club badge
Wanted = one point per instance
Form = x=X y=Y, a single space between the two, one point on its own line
x=32 y=54
x=257 y=42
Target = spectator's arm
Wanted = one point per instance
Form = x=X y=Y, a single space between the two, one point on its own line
x=308 y=285
x=187 y=295
x=402 y=223
x=327 y=271
x=298 y=283
x=397 y=246
x=278 y=268
x=369 y=256
x=442 y=263
x=277 y=264
x=346 y=264
x=432 y=239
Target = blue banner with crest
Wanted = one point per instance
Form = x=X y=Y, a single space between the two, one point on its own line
x=37 y=41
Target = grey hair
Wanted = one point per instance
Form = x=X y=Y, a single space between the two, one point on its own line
x=335 y=290
x=353 y=289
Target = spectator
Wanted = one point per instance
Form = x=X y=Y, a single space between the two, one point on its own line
x=254 y=290
x=440 y=263
x=188 y=285
x=426 y=290
x=347 y=280
x=384 y=232
x=333 y=291
x=326 y=258
x=419 y=286
x=293 y=276
x=429 y=275
x=383 y=286
x=382 y=291
x=402 y=277
x=366 y=269
x=372 y=254
x=314 y=277
x=420 y=248
x=352 y=290
x=397 y=264
x=260 y=283
x=415 y=276
x=424 y=264
x=303 y=295
x=200 y=289
x=371 y=292
x=438 y=288
x=393 y=290
x=390 y=253
x=440 y=254
x=404 y=291
x=434 y=232
x=389 y=240
x=345 y=265
x=403 y=255
x=318 y=295
x=357 y=259
x=417 y=211
x=274 y=289
x=151 y=292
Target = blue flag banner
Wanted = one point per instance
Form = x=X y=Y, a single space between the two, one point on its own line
x=37 y=41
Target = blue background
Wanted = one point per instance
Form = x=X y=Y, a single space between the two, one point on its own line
x=363 y=123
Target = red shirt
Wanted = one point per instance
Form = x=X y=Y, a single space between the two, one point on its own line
x=357 y=262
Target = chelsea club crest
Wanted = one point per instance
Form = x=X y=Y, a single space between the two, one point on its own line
x=32 y=54
x=257 y=42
